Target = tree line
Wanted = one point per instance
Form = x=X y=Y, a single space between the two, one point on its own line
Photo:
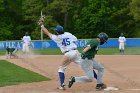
x=83 y=18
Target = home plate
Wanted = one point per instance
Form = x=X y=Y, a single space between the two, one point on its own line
x=111 y=88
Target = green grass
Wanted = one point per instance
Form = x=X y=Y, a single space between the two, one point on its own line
x=2 y=52
x=114 y=51
x=133 y=50
x=108 y=51
x=54 y=51
x=58 y=52
x=11 y=74
x=102 y=51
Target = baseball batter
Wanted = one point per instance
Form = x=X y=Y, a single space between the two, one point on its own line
x=88 y=63
x=26 y=43
x=122 y=41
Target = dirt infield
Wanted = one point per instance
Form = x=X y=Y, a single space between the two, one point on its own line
x=122 y=71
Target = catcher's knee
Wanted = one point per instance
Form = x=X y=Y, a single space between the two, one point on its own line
x=62 y=69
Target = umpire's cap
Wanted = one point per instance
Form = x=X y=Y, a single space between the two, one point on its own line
x=59 y=29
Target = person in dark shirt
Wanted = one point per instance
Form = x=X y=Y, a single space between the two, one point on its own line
x=11 y=52
x=88 y=63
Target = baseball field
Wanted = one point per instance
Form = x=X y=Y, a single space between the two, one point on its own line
x=40 y=72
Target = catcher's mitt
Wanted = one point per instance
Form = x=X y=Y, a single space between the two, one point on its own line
x=41 y=21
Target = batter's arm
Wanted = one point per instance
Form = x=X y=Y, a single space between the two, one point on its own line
x=45 y=30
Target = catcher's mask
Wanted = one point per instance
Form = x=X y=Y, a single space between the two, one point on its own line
x=59 y=29
x=103 y=37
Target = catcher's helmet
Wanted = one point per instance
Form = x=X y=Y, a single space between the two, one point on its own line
x=59 y=29
x=103 y=37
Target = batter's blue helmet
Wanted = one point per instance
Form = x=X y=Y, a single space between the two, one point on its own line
x=59 y=29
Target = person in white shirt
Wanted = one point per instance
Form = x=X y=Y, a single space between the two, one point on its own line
x=122 y=41
x=26 y=43
x=67 y=44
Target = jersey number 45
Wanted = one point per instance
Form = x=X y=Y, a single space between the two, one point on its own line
x=66 y=41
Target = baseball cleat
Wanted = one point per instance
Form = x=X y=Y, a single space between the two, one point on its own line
x=61 y=88
x=100 y=86
x=71 y=81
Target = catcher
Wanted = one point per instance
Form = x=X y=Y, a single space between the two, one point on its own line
x=11 y=52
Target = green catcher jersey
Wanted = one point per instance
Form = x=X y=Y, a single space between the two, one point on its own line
x=90 y=53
